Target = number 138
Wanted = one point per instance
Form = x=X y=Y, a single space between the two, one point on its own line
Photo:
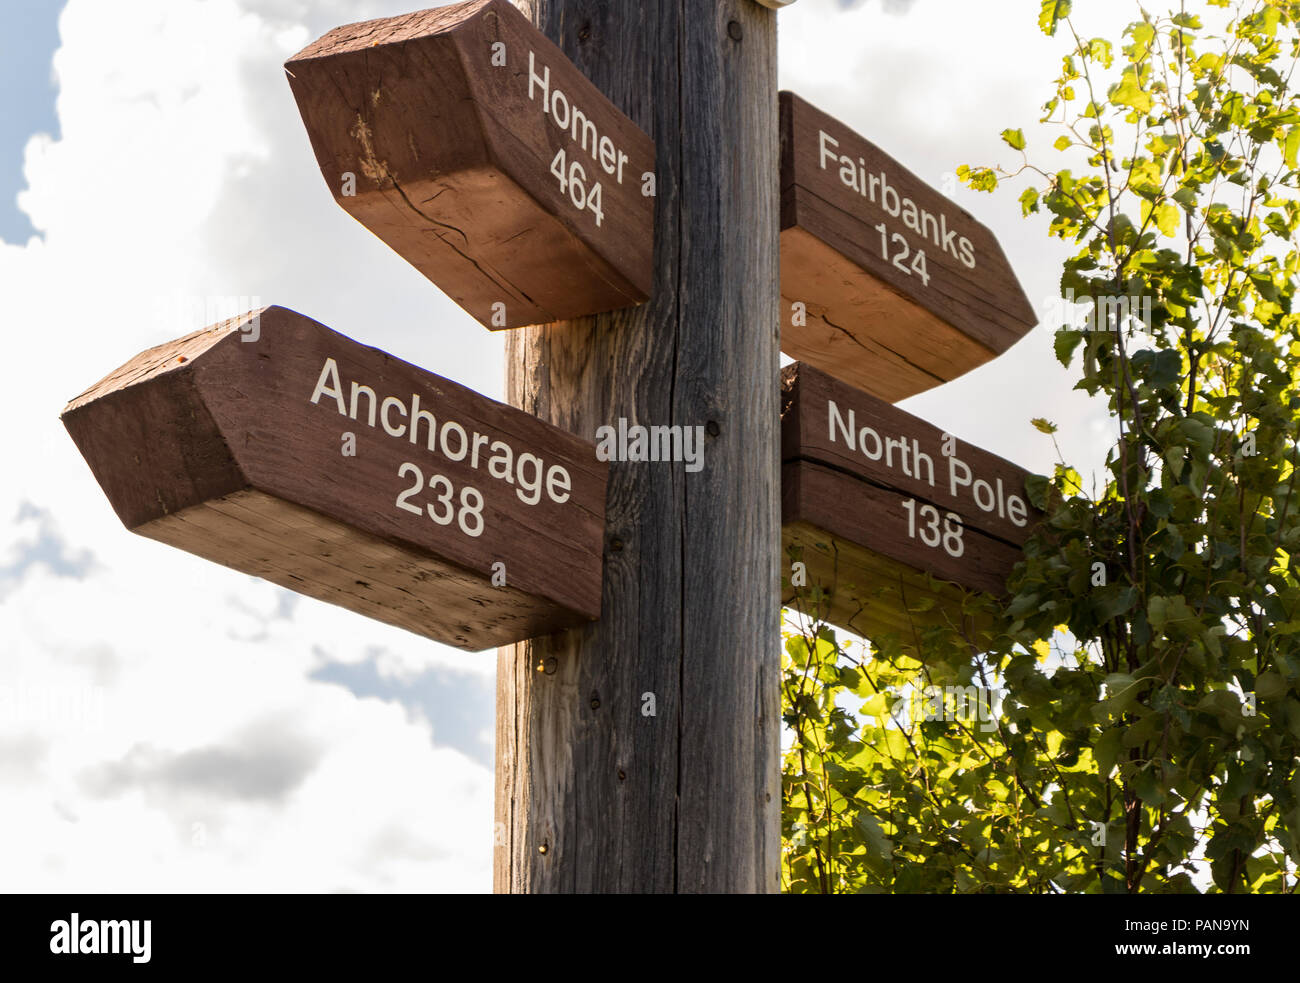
x=930 y=533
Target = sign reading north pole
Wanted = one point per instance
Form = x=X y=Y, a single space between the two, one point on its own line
x=470 y=144
x=285 y=450
x=875 y=501
x=885 y=283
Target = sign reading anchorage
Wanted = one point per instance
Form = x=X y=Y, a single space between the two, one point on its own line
x=337 y=471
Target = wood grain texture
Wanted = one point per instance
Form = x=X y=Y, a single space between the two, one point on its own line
x=867 y=593
x=452 y=158
x=870 y=321
x=844 y=513
x=591 y=794
x=874 y=518
x=229 y=444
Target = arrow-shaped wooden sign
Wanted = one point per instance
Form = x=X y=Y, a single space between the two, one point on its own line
x=278 y=447
x=885 y=283
x=875 y=501
x=469 y=143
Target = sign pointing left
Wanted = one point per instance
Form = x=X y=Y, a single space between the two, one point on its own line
x=278 y=447
x=468 y=142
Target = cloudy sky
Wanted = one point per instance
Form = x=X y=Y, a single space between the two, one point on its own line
x=169 y=725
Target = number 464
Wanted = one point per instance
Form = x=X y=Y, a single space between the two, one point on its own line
x=573 y=180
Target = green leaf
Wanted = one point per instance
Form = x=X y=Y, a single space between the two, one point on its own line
x=1015 y=139
x=1099 y=49
x=1043 y=426
x=1050 y=13
x=1107 y=749
x=876 y=706
x=1291 y=146
x=977 y=178
x=1064 y=345
x=1131 y=93
x=873 y=835
x=1270 y=686
x=1114 y=600
x=1167 y=216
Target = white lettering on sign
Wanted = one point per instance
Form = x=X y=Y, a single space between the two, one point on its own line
x=567 y=116
x=405 y=418
x=877 y=189
x=470 y=517
x=909 y=457
x=989 y=498
x=950 y=536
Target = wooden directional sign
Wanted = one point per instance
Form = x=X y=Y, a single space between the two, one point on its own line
x=469 y=143
x=875 y=499
x=283 y=449
x=885 y=283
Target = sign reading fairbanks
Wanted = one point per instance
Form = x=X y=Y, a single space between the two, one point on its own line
x=875 y=501
x=468 y=142
x=278 y=447
x=885 y=283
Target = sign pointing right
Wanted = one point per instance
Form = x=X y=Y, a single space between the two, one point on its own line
x=875 y=501
x=885 y=283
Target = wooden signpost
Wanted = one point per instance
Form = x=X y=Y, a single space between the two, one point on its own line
x=638 y=703
x=885 y=283
x=470 y=143
x=295 y=454
x=876 y=501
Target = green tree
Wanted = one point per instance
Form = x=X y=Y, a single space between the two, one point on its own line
x=1149 y=650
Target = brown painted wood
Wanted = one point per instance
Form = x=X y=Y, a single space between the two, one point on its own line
x=844 y=507
x=591 y=794
x=867 y=320
x=214 y=444
x=452 y=158
x=824 y=419
x=865 y=592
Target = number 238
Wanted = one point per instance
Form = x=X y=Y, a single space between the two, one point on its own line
x=442 y=509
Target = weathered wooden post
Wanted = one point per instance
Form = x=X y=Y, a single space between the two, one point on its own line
x=641 y=753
